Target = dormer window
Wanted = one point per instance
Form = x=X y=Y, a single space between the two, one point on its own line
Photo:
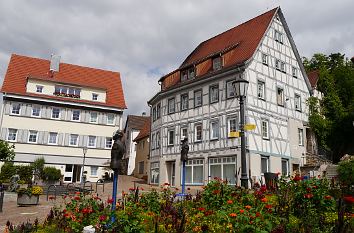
x=39 y=89
x=188 y=74
x=67 y=92
x=191 y=73
x=217 y=63
x=184 y=76
x=94 y=96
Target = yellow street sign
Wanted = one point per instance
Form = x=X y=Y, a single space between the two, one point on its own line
x=250 y=126
x=234 y=134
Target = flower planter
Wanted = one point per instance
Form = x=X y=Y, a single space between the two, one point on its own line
x=25 y=199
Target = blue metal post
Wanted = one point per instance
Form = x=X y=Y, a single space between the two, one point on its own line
x=183 y=177
x=114 y=194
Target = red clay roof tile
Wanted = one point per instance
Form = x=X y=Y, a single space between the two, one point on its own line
x=145 y=131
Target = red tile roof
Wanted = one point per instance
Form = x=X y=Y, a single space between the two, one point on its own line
x=145 y=131
x=313 y=77
x=245 y=37
x=136 y=122
x=22 y=67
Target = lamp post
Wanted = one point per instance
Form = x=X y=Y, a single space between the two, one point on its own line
x=241 y=86
x=84 y=150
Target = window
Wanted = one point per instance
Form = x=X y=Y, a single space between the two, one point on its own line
x=191 y=73
x=157 y=140
x=153 y=141
x=214 y=130
x=94 y=96
x=214 y=94
x=39 y=89
x=285 y=167
x=108 y=143
x=184 y=133
x=141 y=167
x=232 y=125
x=280 y=96
x=93 y=117
x=154 y=113
x=73 y=139
x=32 y=137
x=12 y=135
x=94 y=170
x=194 y=171
x=171 y=105
x=158 y=111
x=184 y=101
x=184 y=75
x=154 y=173
x=36 y=111
x=75 y=115
x=53 y=138
x=55 y=113
x=264 y=59
x=110 y=119
x=278 y=36
x=282 y=67
x=217 y=63
x=230 y=90
x=171 y=137
x=277 y=64
x=197 y=98
x=223 y=168
x=91 y=141
x=294 y=71
x=198 y=133
x=261 y=90
x=297 y=102
x=264 y=164
x=301 y=136
x=16 y=109
x=67 y=91
x=265 y=129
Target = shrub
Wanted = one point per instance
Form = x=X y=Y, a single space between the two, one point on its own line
x=346 y=171
x=38 y=166
x=25 y=172
x=51 y=174
x=7 y=170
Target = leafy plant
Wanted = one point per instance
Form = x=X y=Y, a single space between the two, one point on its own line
x=51 y=174
x=7 y=152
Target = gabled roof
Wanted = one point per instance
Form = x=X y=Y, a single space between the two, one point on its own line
x=21 y=68
x=136 y=122
x=145 y=131
x=245 y=37
x=313 y=76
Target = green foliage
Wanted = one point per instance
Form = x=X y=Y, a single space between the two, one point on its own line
x=25 y=172
x=51 y=174
x=7 y=171
x=7 y=152
x=346 y=170
x=38 y=166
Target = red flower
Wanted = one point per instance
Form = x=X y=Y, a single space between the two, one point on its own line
x=167 y=184
x=201 y=209
x=297 y=178
x=131 y=189
x=103 y=217
x=216 y=191
x=308 y=195
x=208 y=212
x=77 y=198
x=263 y=188
x=77 y=193
x=348 y=199
x=264 y=199
x=308 y=189
x=258 y=214
x=268 y=206
x=242 y=211
x=51 y=198
x=233 y=215
x=230 y=202
x=110 y=200
x=328 y=197
x=248 y=207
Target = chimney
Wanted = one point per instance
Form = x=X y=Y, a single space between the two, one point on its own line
x=143 y=114
x=54 y=63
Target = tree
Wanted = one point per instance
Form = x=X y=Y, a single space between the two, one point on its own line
x=7 y=152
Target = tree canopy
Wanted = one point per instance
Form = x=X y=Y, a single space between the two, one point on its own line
x=7 y=152
x=333 y=119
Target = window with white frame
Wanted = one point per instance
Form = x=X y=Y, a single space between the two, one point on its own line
x=184 y=132
x=198 y=133
x=301 y=136
x=261 y=89
x=294 y=71
x=75 y=115
x=12 y=135
x=265 y=129
x=171 y=137
x=93 y=117
x=154 y=173
x=214 y=130
x=16 y=108
x=264 y=164
x=277 y=64
x=198 y=98
x=32 y=137
x=285 y=167
x=53 y=138
x=282 y=67
x=94 y=170
x=264 y=59
x=191 y=73
x=94 y=96
x=194 y=171
x=36 y=111
x=153 y=141
x=158 y=111
x=141 y=167
x=109 y=142
x=230 y=90
x=217 y=63
x=278 y=36
x=171 y=105
x=74 y=139
x=232 y=125
x=39 y=89
x=184 y=101
x=214 y=94
x=223 y=168
x=110 y=119
x=91 y=141
x=280 y=96
x=67 y=91
x=55 y=113
x=158 y=140
x=184 y=75
x=297 y=102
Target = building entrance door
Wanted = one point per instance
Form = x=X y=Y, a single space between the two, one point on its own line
x=172 y=173
x=68 y=174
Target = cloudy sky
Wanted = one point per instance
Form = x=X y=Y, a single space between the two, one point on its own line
x=146 y=39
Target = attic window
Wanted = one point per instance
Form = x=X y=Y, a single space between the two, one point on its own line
x=67 y=92
x=217 y=63
x=188 y=74
x=184 y=76
x=278 y=36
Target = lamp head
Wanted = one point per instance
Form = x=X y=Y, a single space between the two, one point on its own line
x=241 y=86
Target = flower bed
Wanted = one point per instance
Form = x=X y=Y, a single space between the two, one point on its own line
x=297 y=205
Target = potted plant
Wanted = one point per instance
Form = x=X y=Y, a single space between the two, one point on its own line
x=29 y=196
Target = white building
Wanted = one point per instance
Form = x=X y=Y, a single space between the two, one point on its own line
x=54 y=110
x=197 y=101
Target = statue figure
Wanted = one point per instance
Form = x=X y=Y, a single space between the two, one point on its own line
x=118 y=150
x=184 y=149
x=13 y=183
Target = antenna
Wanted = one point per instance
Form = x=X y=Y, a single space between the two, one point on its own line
x=54 y=63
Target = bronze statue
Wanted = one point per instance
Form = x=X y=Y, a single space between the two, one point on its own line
x=117 y=151
x=184 y=149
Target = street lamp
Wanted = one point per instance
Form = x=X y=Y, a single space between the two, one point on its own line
x=241 y=86
x=84 y=150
